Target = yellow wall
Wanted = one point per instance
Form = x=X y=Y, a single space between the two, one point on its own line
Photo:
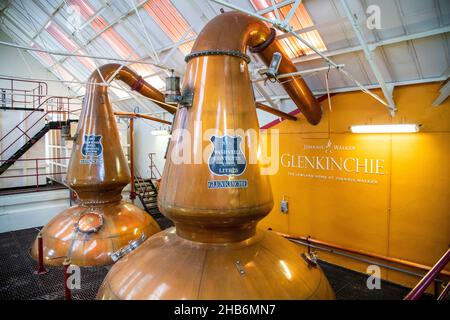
x=405 y=214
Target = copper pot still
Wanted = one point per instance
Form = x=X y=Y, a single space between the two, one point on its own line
x=215 y=250
x=102 y=223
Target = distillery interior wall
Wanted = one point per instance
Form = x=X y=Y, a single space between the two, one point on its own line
x=383 y=193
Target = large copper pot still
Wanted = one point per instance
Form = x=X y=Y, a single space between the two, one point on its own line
x=215 y=250
x=102 y=223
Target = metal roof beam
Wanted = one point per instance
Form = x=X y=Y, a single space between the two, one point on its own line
x=444 y=92
x=356 y=88
x=370 y=58
x=29 y=39
x=374 y=45
x=50 y=16
x=276 y=6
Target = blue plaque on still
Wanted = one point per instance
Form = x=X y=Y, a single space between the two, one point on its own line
x=227 y=157
x=92 y=146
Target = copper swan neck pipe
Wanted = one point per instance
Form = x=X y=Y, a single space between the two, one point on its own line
x=140 y=115
x=131 y=78
x=232 y=32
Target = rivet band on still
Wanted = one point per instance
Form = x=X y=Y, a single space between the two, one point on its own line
x=233 y=53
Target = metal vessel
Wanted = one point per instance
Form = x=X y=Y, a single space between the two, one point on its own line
x=89 y=233
x=215 y=250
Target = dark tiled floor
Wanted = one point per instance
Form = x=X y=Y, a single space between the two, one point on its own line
x=351 y=285
x=17 y=280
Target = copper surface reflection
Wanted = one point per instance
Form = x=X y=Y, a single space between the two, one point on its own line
x=215 y=250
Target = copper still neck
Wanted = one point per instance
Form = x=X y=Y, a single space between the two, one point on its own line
x=208 y=206
x=98 y=169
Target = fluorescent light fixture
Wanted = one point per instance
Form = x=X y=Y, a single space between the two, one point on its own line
x=385 y=128
x=160 y=132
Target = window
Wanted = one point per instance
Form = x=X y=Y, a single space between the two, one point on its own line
x=44 y=57
x=119 y=45
x=68 y=44
x=170 y=21
x=301 y=19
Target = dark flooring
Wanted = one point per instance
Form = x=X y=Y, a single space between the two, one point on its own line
x=18 y=281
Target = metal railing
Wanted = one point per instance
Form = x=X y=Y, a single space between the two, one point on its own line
x=154 y=172
x=32 y=96
x=55 y=109
x=429 y=278
x=37 y=163
x=13 y=97
x=375 y=258
x=143 y=189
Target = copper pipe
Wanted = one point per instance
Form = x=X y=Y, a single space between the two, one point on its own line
x=132 y=115
x=136 y=83
x=139 y=115
x=361 y=252
x=234 y=32
x=275 y=112
x=157 y=97
x=133 y=190
x=295 y=86
x=41 y=268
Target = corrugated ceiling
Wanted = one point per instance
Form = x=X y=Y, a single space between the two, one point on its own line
x=412 y=46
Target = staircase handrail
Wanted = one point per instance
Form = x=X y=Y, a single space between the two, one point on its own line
x=153 y=165
x=139 y=176
x=431 y=275
x=49 y=110
x=41 y=89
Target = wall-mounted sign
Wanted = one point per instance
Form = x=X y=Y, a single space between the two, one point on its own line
x=333 y=162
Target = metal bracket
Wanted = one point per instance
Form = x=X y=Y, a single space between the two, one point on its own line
x=240 y=267
x=186 y=98
x=310 y=258
x=283 y=26
x=127 y=249
x=173 y=94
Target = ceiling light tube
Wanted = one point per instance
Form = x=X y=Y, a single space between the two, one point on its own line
x=385 y=128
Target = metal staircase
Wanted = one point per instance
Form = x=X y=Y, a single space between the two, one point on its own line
x=52 y=125
x=39 y=113
x=147 y=191
x=148 y=194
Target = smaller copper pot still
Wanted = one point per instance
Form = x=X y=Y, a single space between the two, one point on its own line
x=102 y=223
x=215 y=250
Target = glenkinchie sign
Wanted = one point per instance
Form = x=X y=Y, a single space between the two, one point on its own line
x=327 y=163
